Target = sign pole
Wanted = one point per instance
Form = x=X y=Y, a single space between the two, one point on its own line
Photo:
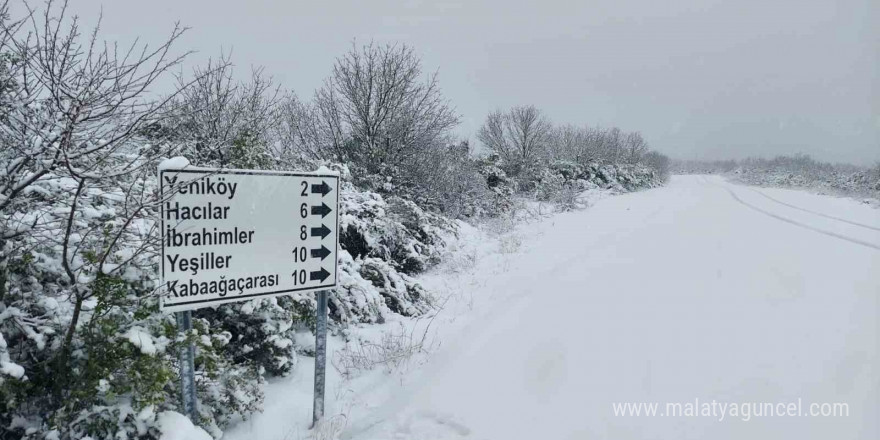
x=320 y=356
x=187 y=368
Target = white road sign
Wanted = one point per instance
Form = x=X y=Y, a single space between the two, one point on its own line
x=234 y=235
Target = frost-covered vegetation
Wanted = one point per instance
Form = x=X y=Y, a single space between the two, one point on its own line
x=84 y=352
x=798 y=171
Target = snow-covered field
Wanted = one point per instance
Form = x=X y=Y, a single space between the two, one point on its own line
x=700 y=289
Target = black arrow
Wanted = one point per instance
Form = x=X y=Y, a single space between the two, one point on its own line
x=320 y=253
x=323 y=189
x=320 y=275
x=322 y=210
x=322 y=232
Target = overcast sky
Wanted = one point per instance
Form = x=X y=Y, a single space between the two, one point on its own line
x=699 y=78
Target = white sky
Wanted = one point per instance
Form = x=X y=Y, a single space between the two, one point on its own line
x=700 y=78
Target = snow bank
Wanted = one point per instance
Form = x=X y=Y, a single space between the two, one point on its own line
x=176 y=162
x=324 y=170
x=12 y=369
x=141 y=339
x=176 y=426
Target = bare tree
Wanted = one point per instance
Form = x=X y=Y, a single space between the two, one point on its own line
x=634 y=147
x=494 y=137
x=613 y=145
x=376 y=110
x=565 y=141
x=589 y=150
x=580 y=145
x=76 y=103
x=528 y=132
x=299 y=134
x=520 y=136
x=659 y=162
x=223 y=121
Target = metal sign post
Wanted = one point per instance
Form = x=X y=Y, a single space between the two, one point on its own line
x=237 y=235
x=187 y=368
x=320 y=356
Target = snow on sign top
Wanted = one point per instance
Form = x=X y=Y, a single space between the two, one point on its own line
x=235 y=235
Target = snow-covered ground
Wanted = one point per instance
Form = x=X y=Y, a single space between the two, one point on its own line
x=700 y=289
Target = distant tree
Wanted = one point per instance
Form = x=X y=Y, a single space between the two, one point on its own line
x=568 y=142
x=520 y=136
x=493 y=136
x=659 y=162
x=634 y=147
x=612 y=145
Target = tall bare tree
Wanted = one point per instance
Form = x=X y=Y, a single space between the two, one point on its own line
x=376 y=109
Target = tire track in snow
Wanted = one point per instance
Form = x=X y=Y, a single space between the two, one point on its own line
x=796 y=223
x=875 y=228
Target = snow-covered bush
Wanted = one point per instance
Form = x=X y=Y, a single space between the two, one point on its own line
x=84 y=351
x=501 y=187
x=449 y=181
x=402 y=294
x=261 y=331
x=561 y=181
x=384 y=243
x=227 y=387
x=396 y=230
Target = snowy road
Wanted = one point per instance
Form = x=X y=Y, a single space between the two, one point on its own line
x=698 y=290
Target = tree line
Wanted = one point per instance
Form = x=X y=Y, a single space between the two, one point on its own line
x=525 y=140
x=798 y=170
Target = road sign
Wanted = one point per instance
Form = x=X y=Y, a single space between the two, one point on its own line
x=235 y=235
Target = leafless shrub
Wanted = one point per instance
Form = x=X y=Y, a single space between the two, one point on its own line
x=394 y=350
x=459 y=260
x=509 y=243
x=224 y=122
x=568 y=198
x=301 y=137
